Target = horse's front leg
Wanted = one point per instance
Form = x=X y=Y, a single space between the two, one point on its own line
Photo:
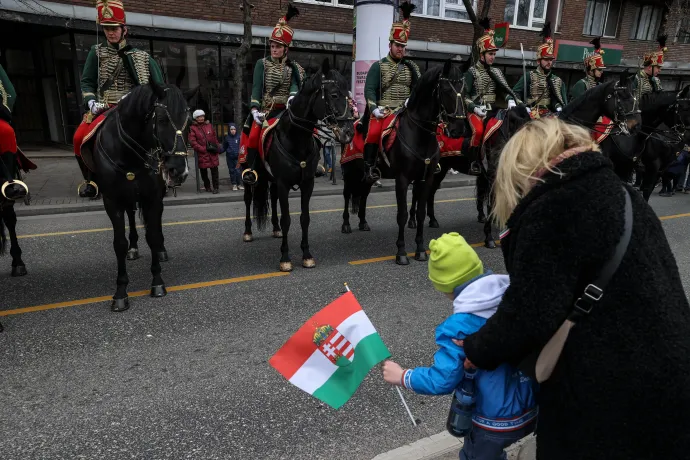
x=362 y=214
x=482 y=190
x=248 y=192
x=401 y=186
x=412 y=223
x=153 y=210
x=423 y=193
x=347 y=195
x=116 y=213
x=307 y=187
x=283 y=195
x=436 y=184
x=10 y=218
x=489 y=239
x=651 y=176
x=273 y=190
x=133 y=251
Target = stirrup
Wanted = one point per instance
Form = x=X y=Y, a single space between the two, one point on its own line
x=438 y=168
x=84 y=185
x=372 y=175
x=475 y=169
x=13 y=182
x=249 y=176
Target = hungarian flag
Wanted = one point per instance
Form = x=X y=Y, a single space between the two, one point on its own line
x=331 y=354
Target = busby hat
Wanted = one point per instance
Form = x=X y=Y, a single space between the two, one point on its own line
x=486 y=42
x=657 y=57
x=282 y=32
x=546 y=48
x=110 y=12
x=400 y=31
x=596 y=60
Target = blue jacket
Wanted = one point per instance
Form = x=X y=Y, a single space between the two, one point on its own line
x=505 y=398
x=231 y=144
x=680 y=164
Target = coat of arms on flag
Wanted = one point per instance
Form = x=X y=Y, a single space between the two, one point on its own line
x=329 y=356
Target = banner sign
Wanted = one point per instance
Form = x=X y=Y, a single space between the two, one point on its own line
x=501 y=34
x=572 y=51
x=361 y=70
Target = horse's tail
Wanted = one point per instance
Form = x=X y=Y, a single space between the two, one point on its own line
x=3 y=237
x=261 y=204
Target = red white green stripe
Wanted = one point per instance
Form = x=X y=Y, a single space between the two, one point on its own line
x=329 y=356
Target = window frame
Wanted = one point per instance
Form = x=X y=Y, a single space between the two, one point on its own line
x=442 y=10
x=634 y=29
x=530 y=20
x=685 y=32
x=332 y=3
x=606 y=20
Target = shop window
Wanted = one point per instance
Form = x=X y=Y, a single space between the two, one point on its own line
x=601 y=18
x=646 y=23
x=526 y=13
x=684 y=31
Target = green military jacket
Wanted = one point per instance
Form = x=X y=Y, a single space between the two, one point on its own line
x=539 y=92
x=481 y=84
x=275 y=80
x=645 y=83
x=389 y=83
x=112 y=71
x=7 y=96
x=582 y=86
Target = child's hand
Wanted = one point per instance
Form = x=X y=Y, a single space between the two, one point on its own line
x=392 y=373
x=468 y=364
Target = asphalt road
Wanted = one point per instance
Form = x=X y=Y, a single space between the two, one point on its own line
x=186 y=376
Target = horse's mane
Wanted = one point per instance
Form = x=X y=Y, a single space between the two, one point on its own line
x=425 y=82
x=138 y=102
x=596 y=93
x=654 y=101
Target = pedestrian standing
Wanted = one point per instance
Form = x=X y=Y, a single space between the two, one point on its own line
x=684 y=184
x=204 y=141
x=326 y=136
x=673 y=176
x=231 y=147
x=624 y=372
x=505 y=410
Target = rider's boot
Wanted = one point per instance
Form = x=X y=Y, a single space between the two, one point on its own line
x=88 y=188
x=249 y=175
x=475 y=166
x=12 y=189
x=371 y=174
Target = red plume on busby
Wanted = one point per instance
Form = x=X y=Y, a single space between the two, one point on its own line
x=282 y=32
x=596 y=60
x=546 y=48
x=486 y=42
x=657 y=57
x=400 y=31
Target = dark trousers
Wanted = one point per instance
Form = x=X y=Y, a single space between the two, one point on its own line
x=669 y=182
x=235 y=175
x=214 y=177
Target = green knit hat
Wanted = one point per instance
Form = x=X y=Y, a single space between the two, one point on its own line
x=452 y=262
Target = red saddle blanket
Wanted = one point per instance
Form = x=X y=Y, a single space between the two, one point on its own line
x=448 y=146
x=355 y=149
x=390 y=131
x=24 y=163
x=602 y=129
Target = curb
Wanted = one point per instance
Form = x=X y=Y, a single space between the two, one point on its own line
x=43 y=210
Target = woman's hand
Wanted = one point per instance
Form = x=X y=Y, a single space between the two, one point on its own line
x=392 y=373
x=468 y=364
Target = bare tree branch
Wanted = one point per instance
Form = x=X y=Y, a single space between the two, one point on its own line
x=478 y=30
x=241 y=61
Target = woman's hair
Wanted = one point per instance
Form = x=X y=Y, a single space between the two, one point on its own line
x=529 y=151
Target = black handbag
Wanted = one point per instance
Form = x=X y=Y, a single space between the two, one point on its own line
x=211 y=147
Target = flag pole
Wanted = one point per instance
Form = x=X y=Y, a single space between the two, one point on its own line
x=402 y=398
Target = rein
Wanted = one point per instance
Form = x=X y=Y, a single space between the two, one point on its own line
x=621 y=124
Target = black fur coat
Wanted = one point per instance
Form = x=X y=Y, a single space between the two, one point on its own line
x=621 y=389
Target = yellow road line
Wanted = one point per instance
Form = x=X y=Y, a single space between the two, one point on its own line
x=385 y=258
x=182 y=287
x=220 y=219
x=675 y=216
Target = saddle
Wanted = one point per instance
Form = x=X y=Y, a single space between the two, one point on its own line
x=24 y=163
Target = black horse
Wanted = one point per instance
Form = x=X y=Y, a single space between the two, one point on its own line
x=12 y=189
x=414 y=155
x=142 y=139
x=663 y=132
x=293 y=156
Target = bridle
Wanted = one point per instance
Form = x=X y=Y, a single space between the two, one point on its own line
x=459 y=112
x=620 y=116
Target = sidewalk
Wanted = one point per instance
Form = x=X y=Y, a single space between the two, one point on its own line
x=53 y=185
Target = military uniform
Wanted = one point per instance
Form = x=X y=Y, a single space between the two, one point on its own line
x=545 y=91
x=275 y=81
x=593 y=62
x=110 y=73
x=8 y=143
x=643 y=83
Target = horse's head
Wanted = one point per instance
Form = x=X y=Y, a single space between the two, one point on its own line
x=170 y=119
x=682 y=114
x=622 y=105
x=450 y=90
x=331 y=102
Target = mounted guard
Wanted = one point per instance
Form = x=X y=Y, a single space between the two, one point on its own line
x=594 y=70
x=11 y=159
x=482 y=82
x=276 y=82
x=112 y=69
x=546 y=91
x=647 y=80
x=387 y=88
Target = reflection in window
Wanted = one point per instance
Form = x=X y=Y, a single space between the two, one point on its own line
x=448 y=9
x=601 y=18
x=526 y=13
x=646 y=24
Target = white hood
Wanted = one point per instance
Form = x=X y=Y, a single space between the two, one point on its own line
x=482 y=296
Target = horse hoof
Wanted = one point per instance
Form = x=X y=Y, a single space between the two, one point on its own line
x=412 y=224
x=163 y=256
x=490 y=244
x=247 y=238
x=119 y=305
x=277 y=234
x=481 y=218
x=133 y=254
x=346 y=228
x=434 y=224
x=309 y=263
x=158 y=291
x=421 y=256
x=19 y=270
x=364 y=227
x=402 y=260
x=286 y=266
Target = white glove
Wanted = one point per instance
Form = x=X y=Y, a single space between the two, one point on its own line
x=511 y=104
x=289 y=101
x=528 y=110
x=559 y=109
x=95 y=107
x=406 y=101
x=480 y=111
x=378 y=113
x=258 y=117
